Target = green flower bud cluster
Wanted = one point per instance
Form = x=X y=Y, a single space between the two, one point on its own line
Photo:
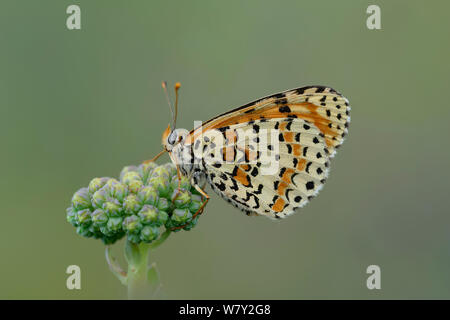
x=145 y=201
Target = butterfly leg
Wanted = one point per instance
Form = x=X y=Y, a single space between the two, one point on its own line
x=205 y=196
x=200 y=210
x=179 y=184
x=155 y=157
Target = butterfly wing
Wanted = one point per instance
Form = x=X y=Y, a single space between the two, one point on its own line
x=324 y=107
x=309 y=124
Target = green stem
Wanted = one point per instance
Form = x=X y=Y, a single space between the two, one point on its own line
x=141 y=278
x=137 y=257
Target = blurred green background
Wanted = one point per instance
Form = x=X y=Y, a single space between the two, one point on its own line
x=84 y=103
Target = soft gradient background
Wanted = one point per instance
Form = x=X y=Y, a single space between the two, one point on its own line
x=80 y=104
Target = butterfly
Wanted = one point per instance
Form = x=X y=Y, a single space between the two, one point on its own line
x=268 y=157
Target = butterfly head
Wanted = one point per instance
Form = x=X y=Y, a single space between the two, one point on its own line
x=171 y=138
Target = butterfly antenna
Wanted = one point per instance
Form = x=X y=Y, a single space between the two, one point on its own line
x=177 y=88
x=164 y=86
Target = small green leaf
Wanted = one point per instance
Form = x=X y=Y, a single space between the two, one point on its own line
x=153 y=276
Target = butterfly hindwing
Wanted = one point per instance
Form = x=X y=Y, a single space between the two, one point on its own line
x=246 y=179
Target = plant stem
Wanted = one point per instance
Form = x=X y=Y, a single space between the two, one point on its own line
x=138 y=287
x=141 y=278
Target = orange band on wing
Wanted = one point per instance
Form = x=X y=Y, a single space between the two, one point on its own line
x=297 y=150
x=278 y=206
x=286 y=177
x=301 y=165
x=282 y=188
x=242 y=177
x=288 y=136
x=305 y=110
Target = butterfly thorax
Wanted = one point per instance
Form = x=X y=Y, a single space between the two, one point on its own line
x=190 y=165
x=182 y=156
x=178 y=144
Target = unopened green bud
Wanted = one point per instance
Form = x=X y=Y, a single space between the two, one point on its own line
x=99 y=217
x=118 y=191
x=181 y=198
x=99 y=198
x=132 y=224
x=163 y=204
x=110 y=183
x=162 y=217
x=127 y=169
x=96 y=184
x=196 y=203
x=160 y=183
x=134 y=237
x=171 y=168
x=161 y=171
x=181 y=216
x=114 y=224
x=149 y=233
x=148 y=195
x=84 y=217
x=112 y=207
x=71 y=216
x=191 y=224
x=81 y=200
x=131 y=204
x=135 y=185
x=184 y=184
x=84 y=231
x=148 y=214
x=195 y=206
x=145 y=170
x=130 y=176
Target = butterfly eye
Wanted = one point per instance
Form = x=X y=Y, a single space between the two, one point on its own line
x=172 y=138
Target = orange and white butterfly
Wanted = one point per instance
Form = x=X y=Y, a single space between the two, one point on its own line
x=234 y=151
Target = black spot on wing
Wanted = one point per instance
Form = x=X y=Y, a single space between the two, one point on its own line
x=307 y=167
x=284 y=109
x=287 y=193
x=275 y=184
x=289 y=147
x=220 y=186
x=305 y=150
x=309 y=185
x=260 y=187
x=288 y=126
